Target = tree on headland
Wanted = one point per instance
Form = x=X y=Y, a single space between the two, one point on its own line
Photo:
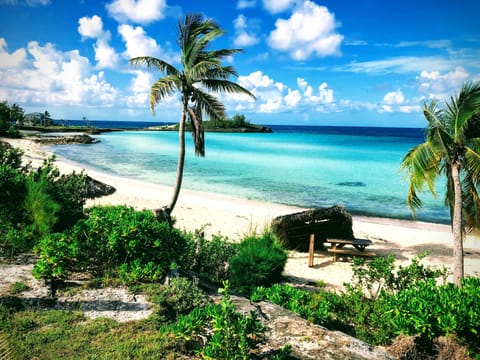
x=201 y=73
x=451 y=149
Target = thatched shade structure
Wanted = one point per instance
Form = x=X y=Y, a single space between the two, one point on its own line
x=294 y=230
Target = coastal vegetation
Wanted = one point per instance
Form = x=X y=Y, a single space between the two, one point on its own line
x=452 y=150
x=117 y=245
x=237 y=123
x=201 y=73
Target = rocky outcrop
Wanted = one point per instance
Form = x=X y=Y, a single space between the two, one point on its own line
x=95 y=188
x=307 y=341
x=294 y=230
x=64 y=139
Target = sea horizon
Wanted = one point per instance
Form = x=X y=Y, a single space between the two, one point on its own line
x=305 y=166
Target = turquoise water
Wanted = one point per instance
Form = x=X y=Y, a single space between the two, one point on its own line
x=303 y=166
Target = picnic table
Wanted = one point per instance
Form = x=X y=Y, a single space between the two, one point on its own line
x=359 y=246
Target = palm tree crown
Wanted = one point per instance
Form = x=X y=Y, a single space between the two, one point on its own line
x=451 y=149
x=201 y=74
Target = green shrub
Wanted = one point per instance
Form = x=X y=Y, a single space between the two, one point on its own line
x=208 y=258
x=313 y=306
x=35 y=202
x=112 y=240
x=226 y=334
x=39 y=204
x=431 y=311
x=178 y=298
x=259 y=262
x=67 y=190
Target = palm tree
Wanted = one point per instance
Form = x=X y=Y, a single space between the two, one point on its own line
x=451 y=149
x=201 y=72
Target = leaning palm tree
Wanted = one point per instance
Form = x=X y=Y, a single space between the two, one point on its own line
x=451 y=149
x=201 y=73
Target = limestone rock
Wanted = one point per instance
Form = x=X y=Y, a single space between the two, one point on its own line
x=65 y=139
x=307 y=341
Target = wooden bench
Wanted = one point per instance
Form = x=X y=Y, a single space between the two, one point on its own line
x=350 y=252
x=337 y=247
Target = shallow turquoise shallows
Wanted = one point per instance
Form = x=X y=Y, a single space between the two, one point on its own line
x=303 y=166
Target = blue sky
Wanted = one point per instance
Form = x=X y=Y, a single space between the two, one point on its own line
x=335 y=62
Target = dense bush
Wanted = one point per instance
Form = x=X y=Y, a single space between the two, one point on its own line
x=67 y=190
x=179 y=297
x=218 y=331
x=313 y=306
x=208 y=258
x=35 y=202
x=382 y=302
x=259 y=262
x=112 y=240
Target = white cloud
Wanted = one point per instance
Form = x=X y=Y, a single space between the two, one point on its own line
x=137 y=42
x=394 y=98
x=277 y=6
x=105 y=55
x=292 y=98
x=401 y=64
x=246 y=4
x=10 y=60
x=435 y=85
x=310 y=31
x=242 y=37
x=54 y=78
x=25 y=2
x=139 y=11
x=90 y=27
x=275 y=97
x=395 y=101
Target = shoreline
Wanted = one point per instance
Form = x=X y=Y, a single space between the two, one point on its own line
x=218 y=214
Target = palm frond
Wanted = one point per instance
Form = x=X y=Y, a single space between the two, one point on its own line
x=195 y=117
x=471 y=202
x=226 y=86
x=209 y=105
x=421 y=166
x=432 y=114
x=464 y=107
x=472 y=164
x=163 y=88
x=223 y=53
x=153 y=63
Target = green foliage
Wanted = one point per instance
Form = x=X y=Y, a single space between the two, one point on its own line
x=112 y=239
x=66 y=190
x=229 y=334
x=34 y=203
x=18 y=287
x=313 y=306
x=208 y=258
x=49 y=334
x=382 y=302
x=9 y=117
x=259 y=262
x=41 y=208
x=372 y=277
x=178 y=298
x=432 y=311
x=58 y=256
x=237 y=121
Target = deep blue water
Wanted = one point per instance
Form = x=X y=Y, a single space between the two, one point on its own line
x=357 y=167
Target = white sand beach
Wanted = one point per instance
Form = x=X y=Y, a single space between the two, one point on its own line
x=233 y=217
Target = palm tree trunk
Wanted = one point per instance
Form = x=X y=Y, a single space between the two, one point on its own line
x=458 y=268
x=181 y=159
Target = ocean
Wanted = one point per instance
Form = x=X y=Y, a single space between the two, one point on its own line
x=307 y=166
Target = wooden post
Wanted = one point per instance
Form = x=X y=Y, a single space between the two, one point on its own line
x=311 y=250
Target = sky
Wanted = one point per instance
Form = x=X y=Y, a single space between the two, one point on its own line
x=308 y=62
